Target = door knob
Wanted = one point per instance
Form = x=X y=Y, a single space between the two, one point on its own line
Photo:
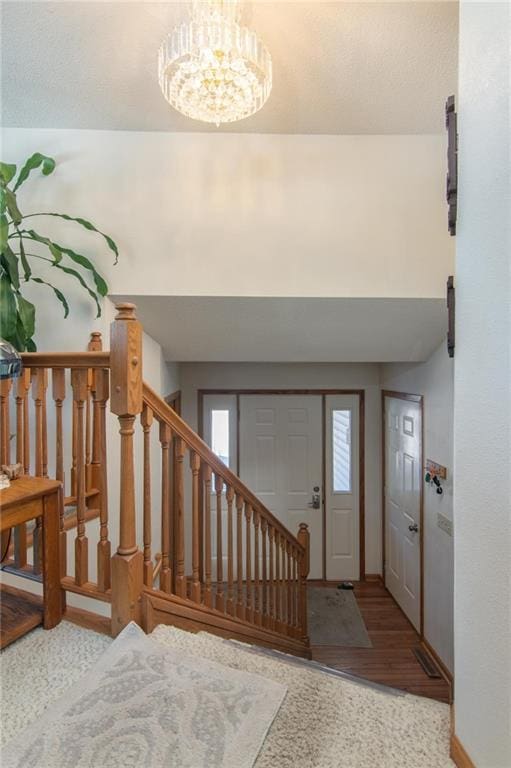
x=316 y=499
x=413 y=528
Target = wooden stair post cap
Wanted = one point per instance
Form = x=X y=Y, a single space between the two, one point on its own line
x=126 y=311
x=95 y=342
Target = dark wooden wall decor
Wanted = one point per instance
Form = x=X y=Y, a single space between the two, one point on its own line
x=451 y=121
x=451 y=316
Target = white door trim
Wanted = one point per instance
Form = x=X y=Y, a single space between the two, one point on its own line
x=419 y=400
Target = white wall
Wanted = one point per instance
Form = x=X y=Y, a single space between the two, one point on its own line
x=251 y=215
x=195 y=376
x=171 y=379
x=482 y=418
x=434 y=380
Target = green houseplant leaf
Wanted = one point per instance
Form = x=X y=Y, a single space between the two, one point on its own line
x=58 y=251
x=7 y=172
x=4 y=231
x=10 y=264
x=84 y=223
x=24 y=261
x=26 y=311
x=82 y=282
x=17 y=314
x=47 y=166
x=12 y=206
x=60 y=296
x=8 y=312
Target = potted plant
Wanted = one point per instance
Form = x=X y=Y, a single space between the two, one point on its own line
x=22 y=248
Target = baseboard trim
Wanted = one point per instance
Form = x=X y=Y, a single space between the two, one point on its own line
x=446 y=674
x=88 y=620
x=374 y=577
x=459 y=754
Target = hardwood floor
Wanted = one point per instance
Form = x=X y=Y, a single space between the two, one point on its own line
x=20 y=612
x=391 y=660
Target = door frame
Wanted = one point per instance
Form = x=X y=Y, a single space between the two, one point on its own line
x=419 y=400
x=174 y=400
x=361 y=451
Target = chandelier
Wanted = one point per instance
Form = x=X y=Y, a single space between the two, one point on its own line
x=211 y=68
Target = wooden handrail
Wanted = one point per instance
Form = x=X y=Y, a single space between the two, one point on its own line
x=66 y=359
x=166 y=414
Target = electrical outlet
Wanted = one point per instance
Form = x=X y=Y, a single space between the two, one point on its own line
x=444 y=524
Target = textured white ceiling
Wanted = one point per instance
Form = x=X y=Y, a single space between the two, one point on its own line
x=292 y=330
x=339 y=67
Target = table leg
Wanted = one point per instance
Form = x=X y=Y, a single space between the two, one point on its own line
x=51 y=561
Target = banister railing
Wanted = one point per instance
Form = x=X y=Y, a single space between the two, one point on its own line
x=165 y=414
x=200 y=534
x=57 y=408
x=242 y=560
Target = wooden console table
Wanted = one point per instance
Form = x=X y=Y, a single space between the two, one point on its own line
x=29 y=498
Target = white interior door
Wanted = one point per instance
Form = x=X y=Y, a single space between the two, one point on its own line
x=402 y=481
x=342 y=502
x=281 y=461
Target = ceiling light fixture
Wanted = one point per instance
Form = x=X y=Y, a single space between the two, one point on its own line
x=212 y=69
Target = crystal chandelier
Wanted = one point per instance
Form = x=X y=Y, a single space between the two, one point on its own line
x=212 y=69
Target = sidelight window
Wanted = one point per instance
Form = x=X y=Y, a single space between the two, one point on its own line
x=341 y=451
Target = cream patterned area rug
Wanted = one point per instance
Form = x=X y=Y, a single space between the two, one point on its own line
x=324 y=721
x=144 y=704
x=37 y=669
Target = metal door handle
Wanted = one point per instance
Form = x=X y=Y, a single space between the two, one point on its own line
x=316 y=499
x=413 y=528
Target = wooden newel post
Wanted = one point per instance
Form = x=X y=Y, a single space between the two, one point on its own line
x=126 y=402
x=304 y=540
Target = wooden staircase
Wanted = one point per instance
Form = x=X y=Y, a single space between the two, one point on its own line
x=192 y=545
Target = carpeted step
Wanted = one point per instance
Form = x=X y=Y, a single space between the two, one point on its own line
x=329 y=721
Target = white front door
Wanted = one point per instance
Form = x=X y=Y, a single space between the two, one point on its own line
x=281 y=461
x=403 y=476
x=342 y=502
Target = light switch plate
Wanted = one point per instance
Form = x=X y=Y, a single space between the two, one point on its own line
x=444 y=524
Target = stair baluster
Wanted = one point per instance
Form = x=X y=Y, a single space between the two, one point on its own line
x=265 y=612
x=79 y=385
x=240 y=602
x=5 y=432
x=248 y=561
x=219 y=602
x=230 y=553
x=196 y=587
x=165 y=572
x=257 y=584
x=179 y=452
x=208 y=600
x=146 y=419
x=271 y=537
x=102 y=387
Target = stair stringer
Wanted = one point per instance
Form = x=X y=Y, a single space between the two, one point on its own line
x=161 y=608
